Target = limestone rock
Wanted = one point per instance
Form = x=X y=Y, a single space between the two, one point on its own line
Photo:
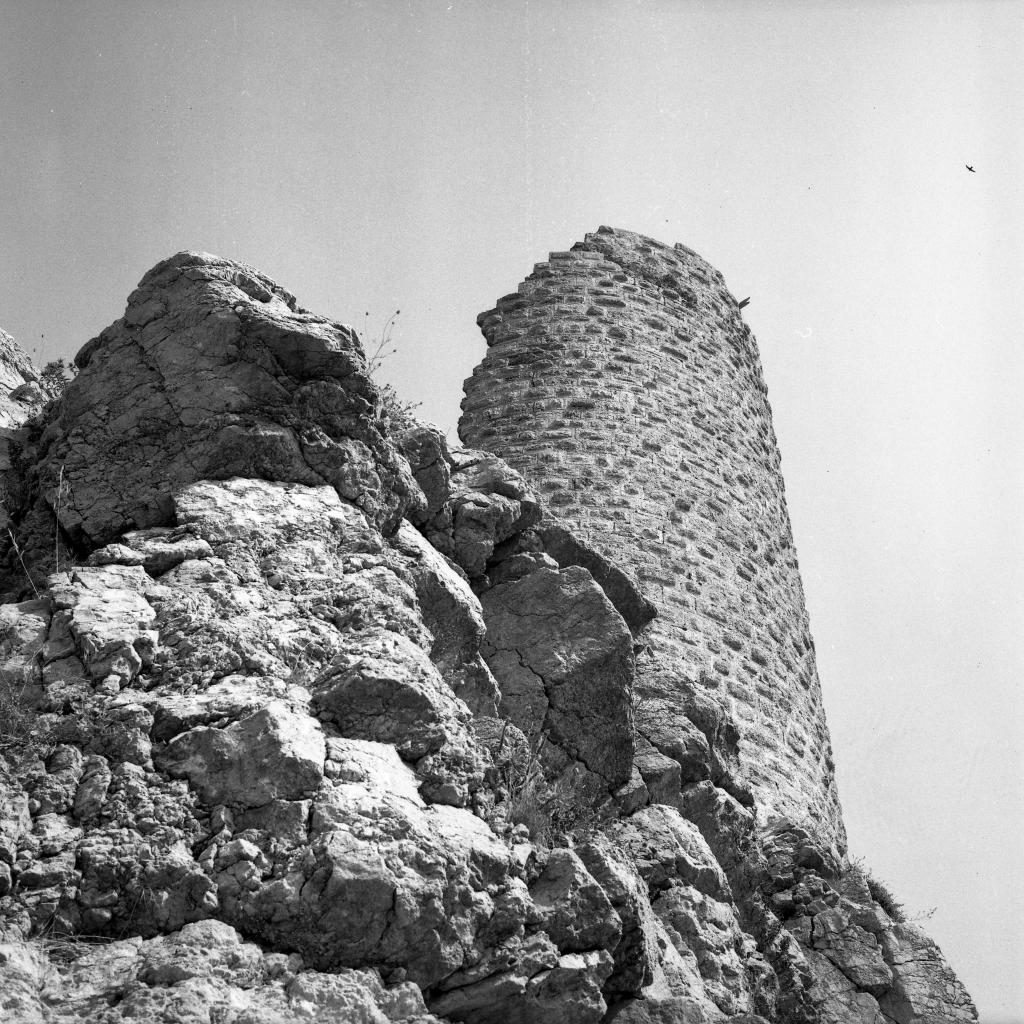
x=853 y=950
x=575 y=911
x=202 y=972
x=563 y=660
x=666 y=847
x=636 y=954
x=541 y=988
x=475 y=501
x=836 y=998
x=20 y=393
x=431 y=464
x=215 y=372
x=156 y=550
x=109 y=619
x=383 y=687
x=623 y=592
x=924 y=988
x=705 y=932
x=384 y=879
x=452 y=613
x=275 y=753
x=727 y=826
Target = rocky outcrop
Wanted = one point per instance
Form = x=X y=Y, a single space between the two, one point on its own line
x=308 y=716
x=214 y=372
x=21 y=390
x=203 y=972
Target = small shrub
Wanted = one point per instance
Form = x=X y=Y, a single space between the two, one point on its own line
x=22 y=737
x=550 y=809
x=397 y=411
x=880 y=892
x=56 y=375
x=884 y=897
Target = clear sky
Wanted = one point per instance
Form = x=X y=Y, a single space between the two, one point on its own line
x=423 y=155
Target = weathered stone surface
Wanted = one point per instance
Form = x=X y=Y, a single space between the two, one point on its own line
x=623 y=592
x=262 y=705
x=21 y=393
x=275 y=753
x=215 y=372
x=109 y=619
x=384 y=879
x=452 y=613
x=541 y=988
x=636 y=955
x=383 y=687
x=727 y=826
x=924 y=988
x=563 y=660
x=202 y=973
x=836 y=999
x=487 y=503
x=427 y=451
x=667 y=848
x=575 y=911
x=707 y=935
x=660 y=773
x=853 y=950
x=156 y=550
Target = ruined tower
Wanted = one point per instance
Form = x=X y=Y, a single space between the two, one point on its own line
x=621 y=380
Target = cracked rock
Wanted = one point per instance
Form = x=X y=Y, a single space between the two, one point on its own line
x=563 y=660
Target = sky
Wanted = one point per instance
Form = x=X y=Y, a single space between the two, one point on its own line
x=422 y=156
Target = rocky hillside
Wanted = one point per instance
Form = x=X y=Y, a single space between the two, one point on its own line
x=305 y=716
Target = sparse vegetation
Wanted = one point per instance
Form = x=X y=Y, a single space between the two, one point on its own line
x=548 y=808
x=22 y=737
x=880 y=892
x=397 y=411
x=56 y=375
x=21 y=559
x=384 y=346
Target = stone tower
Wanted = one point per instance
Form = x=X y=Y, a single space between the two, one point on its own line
x=621 y=380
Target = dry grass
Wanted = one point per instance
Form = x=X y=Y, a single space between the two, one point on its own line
x=550 y=809
x=880 y=892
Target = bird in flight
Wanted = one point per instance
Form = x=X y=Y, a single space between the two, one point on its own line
x=970 y=168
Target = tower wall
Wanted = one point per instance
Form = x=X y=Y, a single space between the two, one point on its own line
x=621 y=380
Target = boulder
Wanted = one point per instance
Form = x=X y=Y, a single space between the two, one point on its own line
x=574 y=909
x=274 y=753
x=383 y=878
x=836 y=999
x=924 y=987
x=203 y=972
x=452 y=613
x=667 y=848
x=636 y=955
x=705 y=931
x=623 y=592
x=215 y=372
x=853 y=950
x=383 y=687
x=563 y=660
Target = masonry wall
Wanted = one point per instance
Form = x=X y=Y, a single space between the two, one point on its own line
x=622 y=381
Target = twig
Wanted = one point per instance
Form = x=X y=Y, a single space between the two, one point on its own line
x=373 y=363
x=56 y=525
x=17 y=551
